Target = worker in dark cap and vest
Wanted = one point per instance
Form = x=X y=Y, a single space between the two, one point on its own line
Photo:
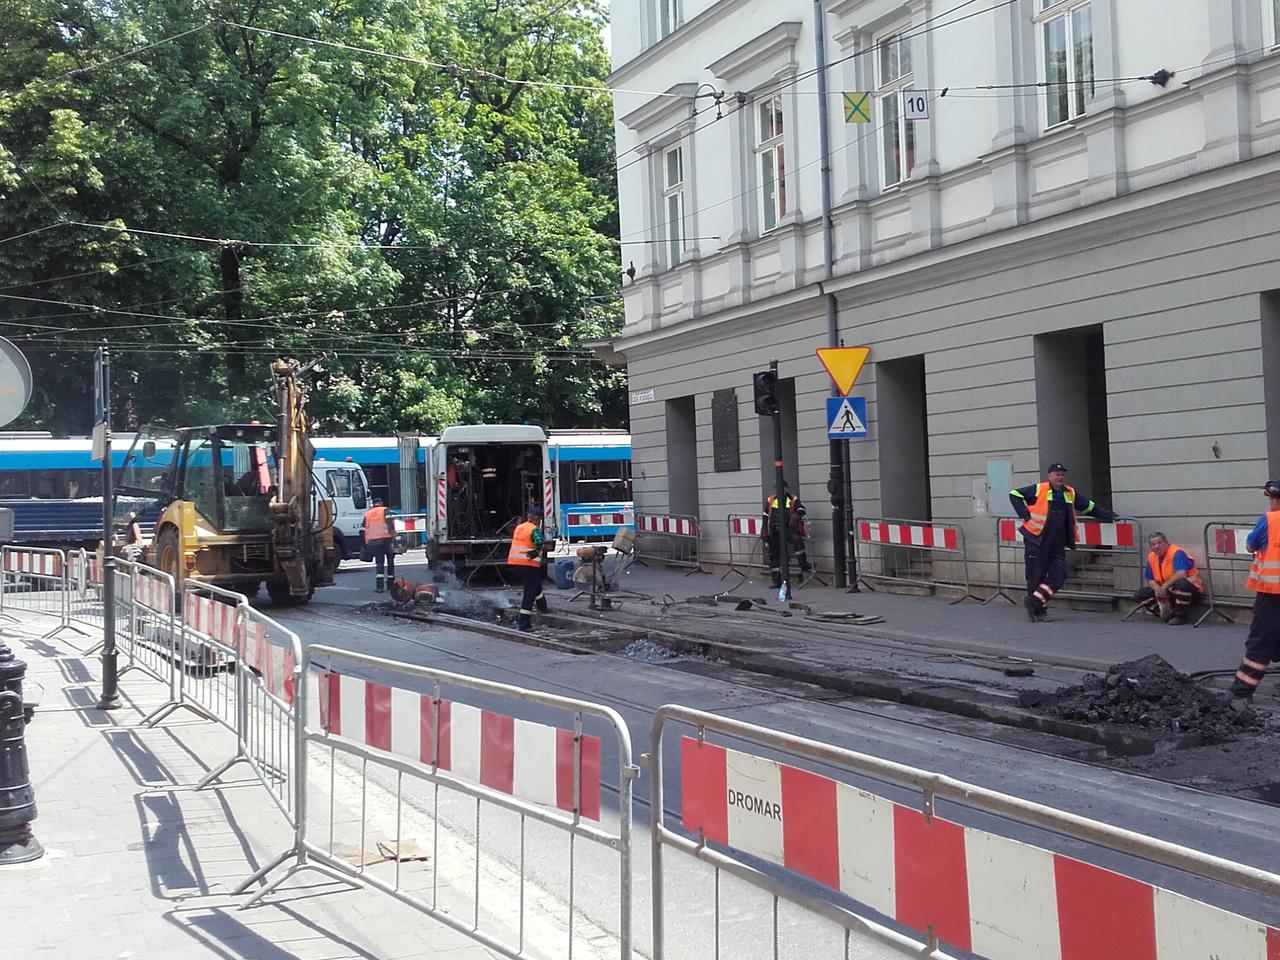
x=1263 y=644
x=525 y=556
x=1048 y=510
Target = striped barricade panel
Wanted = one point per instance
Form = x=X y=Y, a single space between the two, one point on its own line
x=33 y=563
x=743 y=525
x=1009 y=531
x=411 y=524
x=1122 y=533
x=1231 y=542
x=212 y=618
x=274 y=663
x=548 y=498
x=997 y=898
x=616 y=518
x=672 y=526
x=442 y=499
x=909 y=535
x=153 y=593
x=531 y=761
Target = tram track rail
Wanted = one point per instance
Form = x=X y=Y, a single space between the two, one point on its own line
x=1069 y=750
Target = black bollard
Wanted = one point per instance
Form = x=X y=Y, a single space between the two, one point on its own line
x=17 y=798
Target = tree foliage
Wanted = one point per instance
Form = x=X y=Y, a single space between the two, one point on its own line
x=440 y=224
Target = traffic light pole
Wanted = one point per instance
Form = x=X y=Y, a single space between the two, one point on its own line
x=783 y=514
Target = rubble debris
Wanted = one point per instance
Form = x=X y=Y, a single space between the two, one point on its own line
x=1147 y=693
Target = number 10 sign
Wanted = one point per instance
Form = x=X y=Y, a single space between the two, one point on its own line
x=915 y=105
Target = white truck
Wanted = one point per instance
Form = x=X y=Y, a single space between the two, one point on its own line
x=346 y=487
x=480 y=481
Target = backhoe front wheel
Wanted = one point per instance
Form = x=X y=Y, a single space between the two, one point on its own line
x=169 y=555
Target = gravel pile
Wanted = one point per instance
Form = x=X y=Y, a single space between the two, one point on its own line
x=1148 y=693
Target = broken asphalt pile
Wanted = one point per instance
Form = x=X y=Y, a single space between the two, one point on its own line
x=1148 y=693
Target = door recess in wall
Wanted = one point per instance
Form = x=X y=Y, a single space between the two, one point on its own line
x=1071 y=407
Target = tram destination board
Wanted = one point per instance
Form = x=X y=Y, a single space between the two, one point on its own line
x=724 y=431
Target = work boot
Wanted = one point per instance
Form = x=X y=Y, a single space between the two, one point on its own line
x=524 y=624
x=1042 y=615
x=1032 y=607
x=1177 y=620
x=380 y=585
x=1240 y=703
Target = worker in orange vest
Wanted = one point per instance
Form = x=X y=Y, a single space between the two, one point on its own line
x=1048 y=511
x=1172 y=581
x=1263 y=644
x=525 y=558
x=378 y=530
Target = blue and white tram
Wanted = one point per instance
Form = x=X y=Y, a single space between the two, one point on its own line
x=593 y=468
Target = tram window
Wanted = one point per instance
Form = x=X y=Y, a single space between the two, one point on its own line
x=604 y=481
x=15 y=484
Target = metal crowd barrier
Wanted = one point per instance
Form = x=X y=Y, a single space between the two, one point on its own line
x=749 y=528
x=1225 y=551
x=975 y=891
x=669 y=538
x=1121 y=538
x=84 y=592
x=912 y=537
x=549 y=775
x=34 y=580
x=414 y=527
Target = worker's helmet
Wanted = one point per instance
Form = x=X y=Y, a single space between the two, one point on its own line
x=1272 y=488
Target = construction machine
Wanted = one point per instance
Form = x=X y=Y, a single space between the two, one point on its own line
x=231 y=504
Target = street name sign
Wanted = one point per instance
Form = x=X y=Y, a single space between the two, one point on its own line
x=846 y=418
x=844 y=364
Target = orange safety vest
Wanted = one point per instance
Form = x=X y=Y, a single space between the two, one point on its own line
x=1040 y=509
x=375 y=525
x=522 y=546
x=1162 y=570
x=1264 y=574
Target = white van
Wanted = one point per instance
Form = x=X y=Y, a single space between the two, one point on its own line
x=347 y=487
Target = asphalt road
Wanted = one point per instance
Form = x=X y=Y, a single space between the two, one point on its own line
x=1232 y=828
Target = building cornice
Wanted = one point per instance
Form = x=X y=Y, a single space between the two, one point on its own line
x=675 y=103
x=688 y=33
x=768 y=46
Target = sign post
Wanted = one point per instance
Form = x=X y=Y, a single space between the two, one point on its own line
x=102 y=448
x=846 y=420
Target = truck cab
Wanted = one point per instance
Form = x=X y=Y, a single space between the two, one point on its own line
x=480 y=481
x=344 y=484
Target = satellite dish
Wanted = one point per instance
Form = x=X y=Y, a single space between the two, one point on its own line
x=15 y=382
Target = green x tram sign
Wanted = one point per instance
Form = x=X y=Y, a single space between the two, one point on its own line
x=857 y=107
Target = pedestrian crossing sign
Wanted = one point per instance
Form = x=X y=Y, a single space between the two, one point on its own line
x=846 y=418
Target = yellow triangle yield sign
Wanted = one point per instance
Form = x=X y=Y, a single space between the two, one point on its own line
x=844 y=364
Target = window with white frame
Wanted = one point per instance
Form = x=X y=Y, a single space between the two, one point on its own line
x=668 y=17
x=673 y=202
x=897 y=136
x=771 y=162
x=1066 y=39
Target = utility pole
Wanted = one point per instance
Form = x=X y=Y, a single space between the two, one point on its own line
x=102 y=383
x=836 y=485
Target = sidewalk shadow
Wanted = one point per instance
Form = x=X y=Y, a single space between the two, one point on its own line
x=40 y=647
x=147 y=771
x=74 y=670
x=84 y=703
x=172 y=876
x=221 y=932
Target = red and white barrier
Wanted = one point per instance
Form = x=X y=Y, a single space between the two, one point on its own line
x=33 y=563
x=998 y=898
x=672 y=526
x=213 y=618
x=153 y=593
x=909 y=535
x=1122 y=533
x=442 y=500
x=413 y=524
x=520 y=758
x=746 y=526
x=615 y=518
x=1231 y=541
x=274 y=663
x=548 y=497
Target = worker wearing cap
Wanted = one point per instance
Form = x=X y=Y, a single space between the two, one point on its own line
x=1172 y=581
x=525 y=557
x=378 y=530
x=795 y=534
x=1048 y=510
x=1263 y=644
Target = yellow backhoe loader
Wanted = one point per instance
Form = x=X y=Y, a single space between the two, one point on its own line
x=231 y=504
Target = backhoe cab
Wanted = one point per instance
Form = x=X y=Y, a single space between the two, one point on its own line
x=231 y=504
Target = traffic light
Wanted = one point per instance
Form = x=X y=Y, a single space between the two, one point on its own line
x=766 y=387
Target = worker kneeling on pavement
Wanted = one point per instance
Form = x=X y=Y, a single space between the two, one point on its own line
x=527 y=547
x=378 y=531
x=795 y=534
x=1048 y=510
x=1172 y=581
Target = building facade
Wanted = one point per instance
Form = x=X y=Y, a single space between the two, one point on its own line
x=1075 y=257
